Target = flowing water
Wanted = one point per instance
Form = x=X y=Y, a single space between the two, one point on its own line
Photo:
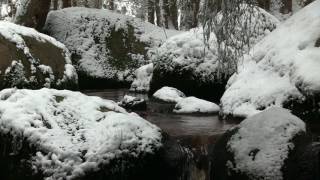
x=194 y=132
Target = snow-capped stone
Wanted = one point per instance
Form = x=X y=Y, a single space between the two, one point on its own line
x=186 y=63
x=133 y=103
x=191 y=105
x=30 y=59
x=264 y=146
x=169 y=94
x=282 y=70
x=71 y=135
x=141 y=82
x=106 y=46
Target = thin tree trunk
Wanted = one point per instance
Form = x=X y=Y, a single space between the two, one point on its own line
x=66 y=3
x=151 y=11
x=158 y=13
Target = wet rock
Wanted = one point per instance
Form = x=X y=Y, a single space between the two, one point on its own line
x=33 y=60
x=133 y=103
x=270 y=145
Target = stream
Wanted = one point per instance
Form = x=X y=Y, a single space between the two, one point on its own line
x=194 y=132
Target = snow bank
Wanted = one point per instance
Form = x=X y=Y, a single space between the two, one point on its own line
x=284 y=66
x=74 y=134
x=262 y=143
x=141 y=82
x=186 y=63
x=27 y=53
x=169 y=94
x=105 y=44
x=194 y=105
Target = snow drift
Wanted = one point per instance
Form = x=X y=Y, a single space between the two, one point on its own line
x=282 y=70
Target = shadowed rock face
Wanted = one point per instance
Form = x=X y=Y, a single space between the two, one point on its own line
x=39 y=63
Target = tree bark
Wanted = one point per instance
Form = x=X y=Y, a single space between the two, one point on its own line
x=151 y=11
x=66 y=3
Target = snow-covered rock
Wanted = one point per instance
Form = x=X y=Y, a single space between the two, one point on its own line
x=169 y=94
x=186 y=63
x=192 y=105
x=68 y=135
x=106 y=47
x=282 y=70
x=141 y=82
x=133 y=103
x=33 y=60
x=265 y=146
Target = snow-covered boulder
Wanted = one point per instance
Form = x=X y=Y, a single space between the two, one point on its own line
x=141 y=82
x=186 y=63
x=133 y=103
x=169 y=94
x=265 y=146
x=29 y=59
x=191 y=105
x=106 y=47
x=282 y=70
x=51 y=134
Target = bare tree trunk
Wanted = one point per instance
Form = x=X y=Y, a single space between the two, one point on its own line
x=264 y=4
x=151 y=11
x=158 y=13
x=55 y=4
x=287 y=6
x=173 y=13
x=66 y=3
x=33 y=13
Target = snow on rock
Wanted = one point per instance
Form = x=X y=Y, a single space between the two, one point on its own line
x=261 y=147
x=185 y=62
x=262 y=143
x=33 y=60
x=105 y=45
x=283 y=67
x=194 y=105
x=141 y=82
x=133 y=103
x=169 y=94
x=73 y=134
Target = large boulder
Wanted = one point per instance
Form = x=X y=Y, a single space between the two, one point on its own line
x=282 y=70
x=186 y=63
x=270 y=145
x=33 y=60
x=51 y=134
x=106 y=47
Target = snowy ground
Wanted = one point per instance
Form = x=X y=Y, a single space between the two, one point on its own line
x=285 y=65
x=75 y=134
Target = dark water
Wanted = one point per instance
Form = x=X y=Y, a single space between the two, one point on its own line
x=174 y=124
x=194 y=132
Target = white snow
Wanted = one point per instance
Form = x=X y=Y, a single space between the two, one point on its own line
x=84 y=31
x=17 y=34
x=188 y=52
x=169 y=94
x=194 y=105
x=143 y=76
x=284 y=65
x=74 y=133
x=263 y=142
